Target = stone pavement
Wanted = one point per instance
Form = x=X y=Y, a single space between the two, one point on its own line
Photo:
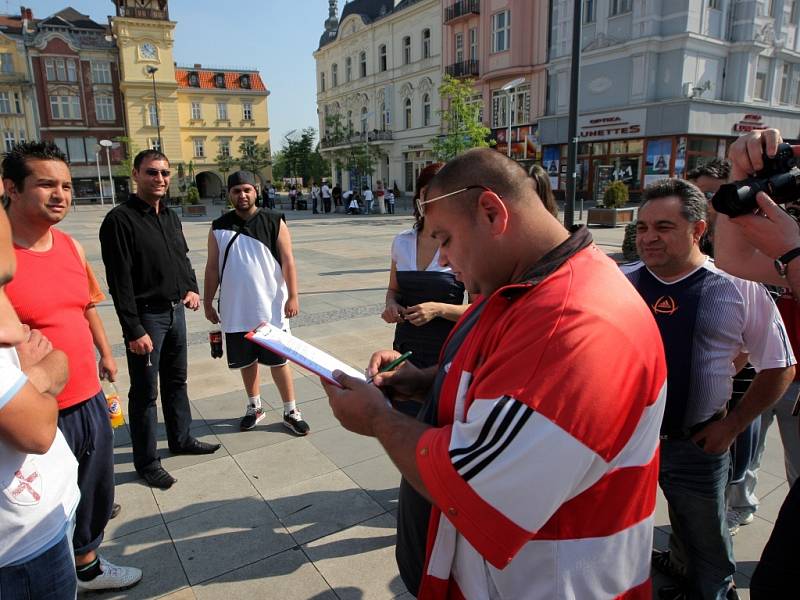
x=275 y=516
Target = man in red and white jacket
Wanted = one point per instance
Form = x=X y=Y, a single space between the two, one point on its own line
x=531 y=472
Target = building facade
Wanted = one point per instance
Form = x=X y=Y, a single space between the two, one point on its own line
x=378 y=71
x=161 y=101
x=73 y=62
x=668 y=85
x=220 y=113
x=18 y=117
x=497 y=42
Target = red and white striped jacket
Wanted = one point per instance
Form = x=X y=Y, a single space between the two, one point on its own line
x=544 y=467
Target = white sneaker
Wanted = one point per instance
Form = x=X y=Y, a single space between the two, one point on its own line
x=111 y=578
x=737 y=518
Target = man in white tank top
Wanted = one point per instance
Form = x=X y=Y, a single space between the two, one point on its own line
x=250 y=261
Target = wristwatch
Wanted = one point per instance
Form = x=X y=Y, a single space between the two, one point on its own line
x=782 y=262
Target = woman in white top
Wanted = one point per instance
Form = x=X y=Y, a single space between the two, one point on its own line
x=423 y=298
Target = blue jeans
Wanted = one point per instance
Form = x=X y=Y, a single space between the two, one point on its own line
x=167 y=330
x=49 y=576
x=693 y=483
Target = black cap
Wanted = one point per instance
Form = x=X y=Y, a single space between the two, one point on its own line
x=241 y=178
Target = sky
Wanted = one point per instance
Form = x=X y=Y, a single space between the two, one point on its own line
x=276 y=37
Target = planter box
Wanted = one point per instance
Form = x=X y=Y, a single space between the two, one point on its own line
x=194 y=210
x=610 y=217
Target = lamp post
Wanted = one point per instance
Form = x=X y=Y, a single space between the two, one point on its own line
x=572 y=123
x=286 y=137
x=508 y=89
x=367 y=162
x=99 y=177
x=151 y=70
x=107 y=144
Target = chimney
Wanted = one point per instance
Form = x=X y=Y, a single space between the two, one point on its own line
x=198 y=66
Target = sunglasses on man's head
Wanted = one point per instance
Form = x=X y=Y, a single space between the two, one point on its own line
x=155 y=172
x=421 y=201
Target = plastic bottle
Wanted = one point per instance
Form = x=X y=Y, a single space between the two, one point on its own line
x=114 y=407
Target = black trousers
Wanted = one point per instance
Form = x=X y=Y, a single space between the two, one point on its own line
x=87 y=430
x=168 y=363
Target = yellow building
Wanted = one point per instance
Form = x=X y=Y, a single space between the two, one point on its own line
x=191 y=114
x=17 y=98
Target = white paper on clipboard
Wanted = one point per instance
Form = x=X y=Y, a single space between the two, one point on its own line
x=301 y=353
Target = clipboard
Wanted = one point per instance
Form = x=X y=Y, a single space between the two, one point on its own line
x=301 y=353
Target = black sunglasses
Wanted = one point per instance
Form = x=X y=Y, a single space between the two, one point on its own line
x=155 y=172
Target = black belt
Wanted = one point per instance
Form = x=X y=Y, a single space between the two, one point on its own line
x=688 y=432
x=157 y=305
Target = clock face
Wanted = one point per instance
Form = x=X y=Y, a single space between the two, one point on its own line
x=148 y=50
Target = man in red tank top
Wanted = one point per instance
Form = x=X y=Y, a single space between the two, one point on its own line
x=50 y=292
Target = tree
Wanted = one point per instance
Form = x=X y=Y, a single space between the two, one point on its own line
x=461 y=120
x=225 y=164
x=255 y=156
x=299 y=157
x=353 y=154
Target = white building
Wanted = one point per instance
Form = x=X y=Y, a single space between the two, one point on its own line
x=379 y=68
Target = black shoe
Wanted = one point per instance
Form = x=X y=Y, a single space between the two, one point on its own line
x=115 y=510
x=195 y=446
x=157 y=477
x=294 y=421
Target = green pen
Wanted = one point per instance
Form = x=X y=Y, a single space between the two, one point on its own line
x=393 y=365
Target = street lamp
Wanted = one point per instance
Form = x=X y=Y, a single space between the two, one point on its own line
x=151 y=70
x=107 y=144
x=286 y=137
x=508 y=89
x=99 y=177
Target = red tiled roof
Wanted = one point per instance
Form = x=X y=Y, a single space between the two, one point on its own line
x=231 y=80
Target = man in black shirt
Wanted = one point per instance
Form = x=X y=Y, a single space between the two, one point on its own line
x=151 y=280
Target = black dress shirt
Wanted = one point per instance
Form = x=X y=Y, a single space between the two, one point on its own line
x=146 y=259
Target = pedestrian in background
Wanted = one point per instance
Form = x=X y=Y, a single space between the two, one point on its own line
x=315 y=198
x=390 y=201
x=326 y=197
x=369 y=200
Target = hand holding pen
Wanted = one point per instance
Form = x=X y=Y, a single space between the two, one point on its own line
x=391 y=366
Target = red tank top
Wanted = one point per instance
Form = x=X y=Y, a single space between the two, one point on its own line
x=50 y=292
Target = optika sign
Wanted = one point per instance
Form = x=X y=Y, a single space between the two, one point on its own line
x=625 y=124
x=749 y=123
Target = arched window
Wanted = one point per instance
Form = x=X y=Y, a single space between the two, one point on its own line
x=408 y=118
x=362 y=64
x=426 y=109
x=334 y=75
x=406 y=50
x=348 y=69
x=382 y=58
x=426 y=43
x=363 y=119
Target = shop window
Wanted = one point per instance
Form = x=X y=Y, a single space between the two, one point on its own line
x=704 y=145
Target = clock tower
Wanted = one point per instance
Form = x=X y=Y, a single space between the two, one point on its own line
x=144 y=34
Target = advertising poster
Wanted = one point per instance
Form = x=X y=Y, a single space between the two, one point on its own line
x=603 y=176
x=552 y=163
x=626 y=170
x=657 y=161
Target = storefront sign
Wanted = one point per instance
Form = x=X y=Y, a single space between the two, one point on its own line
x=752 y=122
x=623 y=124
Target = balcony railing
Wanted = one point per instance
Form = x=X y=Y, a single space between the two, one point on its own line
x=462 y=8
x=357 y=138
x=465 y=68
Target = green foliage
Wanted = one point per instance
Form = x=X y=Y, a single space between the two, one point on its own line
x=255 y=156
x=353 y=153
x=125 y=167
x=616 y=195
x=299 y=157
x=463 y=129
x=192 y=195
x=225 y=163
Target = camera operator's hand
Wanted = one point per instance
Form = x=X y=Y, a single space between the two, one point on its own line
x=747 y=153
x=772 y=231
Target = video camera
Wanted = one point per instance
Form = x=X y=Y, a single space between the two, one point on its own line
x=780 y=179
